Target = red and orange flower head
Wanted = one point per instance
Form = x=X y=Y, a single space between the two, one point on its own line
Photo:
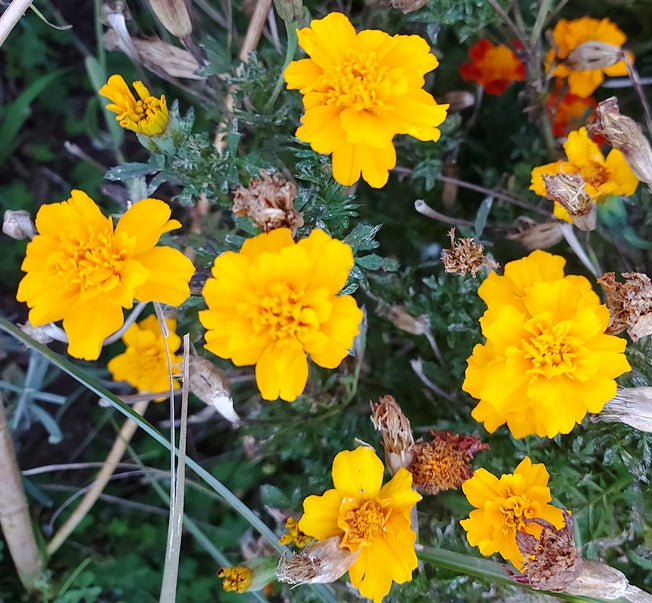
x=82 y=270
x=275 y=301
x=568 y=111
x=495 y=68
x=359 y=91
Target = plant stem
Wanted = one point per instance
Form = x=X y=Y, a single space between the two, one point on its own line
x=14 y=515
x=291 y=29
x=11 y=16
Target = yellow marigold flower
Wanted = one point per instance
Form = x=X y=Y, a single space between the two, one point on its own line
x=568 y=35
x=144 y=364
x=547 y=359
x=502 y=506
x=371 y=519
x=276 y=301
x=237 y=579
x=146 y=115
x=602 y=177
x=359 y=91
x=81 y=270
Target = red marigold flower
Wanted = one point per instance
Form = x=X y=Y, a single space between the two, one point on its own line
x=493 y=67
x=568 y=111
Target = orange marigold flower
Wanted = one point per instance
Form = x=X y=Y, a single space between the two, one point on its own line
x=144 y=364
x=145 y=115
x=568 y=35
x=276 y=301
x=602 y=177
x=82 y=271
x=359 y=91
x=493 y=67
x=568 y=111
x=503 y=504
x=546 y=360
x=371 y=519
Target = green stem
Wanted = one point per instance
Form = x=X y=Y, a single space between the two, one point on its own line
x=291 y=29
x=542 y=14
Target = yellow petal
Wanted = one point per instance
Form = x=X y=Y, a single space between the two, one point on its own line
x=146 y=220
x=282 y=372
x=399 y=490
x=272 y=241
x=88 y=324
x=358 y=473
x=169 y=275
x=320 y=515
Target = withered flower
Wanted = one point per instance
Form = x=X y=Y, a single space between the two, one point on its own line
x=406 y=6
x=552 y=561
x=632 y=406
x=444 y=463
x=594 y=55
x=321 y=562
x=465 y=255
x=568 y=190
x=269 y=201
x=18 y=224
x=396 y=432
x=533 y=235
x=629 y=303
x=624 y=134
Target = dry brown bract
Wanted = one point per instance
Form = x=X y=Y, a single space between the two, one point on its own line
x=465 y=255
x=630 y=304
x=552 y=561
x=398 y=441
x=269 y=201
x=533 y=235
x=568 y=190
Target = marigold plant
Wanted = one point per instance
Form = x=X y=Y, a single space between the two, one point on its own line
x=359 y=91
x=145 y=115
x=372 y=520
x=568 y=111
x=546 y=361
x=568 y=35
x=83 y=271
x=602 y=177
x=144 y=364
x=503 y=504
x=276 y=301
x=494 y=67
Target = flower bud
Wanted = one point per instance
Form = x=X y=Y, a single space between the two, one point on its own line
x=632 y=406
x=594 y=55
x=396 y=432
x=252 y=575
x=533 y=235
x=18 y=225
x=289 y=10
x=624 y=134
x=211 y=386
x=174 y=16
x=568 y=191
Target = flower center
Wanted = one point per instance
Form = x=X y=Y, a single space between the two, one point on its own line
x=595 y=174
x=362 y=524
x=515 y=510
x=91 y=262
x=551 y=351
x=359 y=82
x=282 y=314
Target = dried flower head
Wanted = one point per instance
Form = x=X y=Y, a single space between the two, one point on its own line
x=552 y=561
x=629 y=303
x=533 y=235
x=18 y=224
x=396 y=432
x=568 y=190
x=444 y=463
x=594 y=55
x=406 y=6
x=269 y=201
x=211 y=385
x=632 y=406
x=624 y=134
x=465 y=255
x=174 y=16
x=294 y=535
x=321 y=562
x=601 y=580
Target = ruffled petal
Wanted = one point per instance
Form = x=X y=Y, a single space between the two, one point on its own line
x=358 y=473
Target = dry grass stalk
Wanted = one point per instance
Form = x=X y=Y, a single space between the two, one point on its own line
x=14 y=514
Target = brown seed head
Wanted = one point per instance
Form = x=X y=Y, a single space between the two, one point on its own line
x=321 y=562
x=396 y=432
x=464 y=256
x=552 y=561
x=568 y=190
x=269 y=201
x=444 y=463
x=624 y=134
x=594 y=55
x=629 y=303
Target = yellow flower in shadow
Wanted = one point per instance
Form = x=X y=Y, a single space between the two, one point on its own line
x=82 y=271
x=503 y=504
x=568 y=35
x=602 y=177
x=546 y=361
x=359 y=91
x=372 y=520
x=145 y=115
x=144 y=364
x=276 y=301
